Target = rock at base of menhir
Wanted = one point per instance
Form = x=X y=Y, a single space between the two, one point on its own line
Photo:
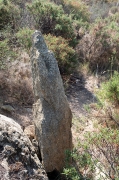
x=18 y=159
x=52 y=115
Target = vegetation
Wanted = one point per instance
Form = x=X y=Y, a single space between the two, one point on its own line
x=52 y=18
x=79 y=38
x=24 y=38
x=9 y=14
x=69 y=20
x=110 y=90
x=97 y=156
x=101 y=45
x=64 y=53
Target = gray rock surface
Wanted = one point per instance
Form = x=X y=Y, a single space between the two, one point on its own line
x=18 y=159
x=7 y=108
x=52 y=115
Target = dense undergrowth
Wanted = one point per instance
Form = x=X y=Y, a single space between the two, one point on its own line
x=78 y=33
x=94 y=42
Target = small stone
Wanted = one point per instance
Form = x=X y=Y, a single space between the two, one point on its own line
x=8 y=108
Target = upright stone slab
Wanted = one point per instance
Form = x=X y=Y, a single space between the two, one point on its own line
x=52 y=115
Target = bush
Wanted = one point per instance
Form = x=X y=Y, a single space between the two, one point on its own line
x=16 y=82
x=101 y=46
x=65 y=55
x=9 y=15
x=101 y=9
x=24 y=38
x=51 y=18
x=97 y=156
x=9 y=24
x=81 y=160
x=110 y=90
x=104 y=149
x=6 y=53
x=76 y=9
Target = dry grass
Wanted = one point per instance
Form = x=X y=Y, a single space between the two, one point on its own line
x=16 y=81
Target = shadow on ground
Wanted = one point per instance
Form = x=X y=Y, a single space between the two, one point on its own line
x=78 y=95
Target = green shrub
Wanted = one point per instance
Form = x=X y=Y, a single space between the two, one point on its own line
x=81 y=160
x=65 y=55
x=76 y=9
x=24 y=38
x=110 y=90
x=97 y=156
x=51 y=18
x=4 y=50
x=101 y=45
x=104 y=149
x=17 y=2
x=9 y=15
x=5 y=53
x=69 y=170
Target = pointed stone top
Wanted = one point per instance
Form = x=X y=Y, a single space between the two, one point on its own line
x=39 y=42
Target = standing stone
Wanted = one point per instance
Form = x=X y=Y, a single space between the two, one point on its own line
x=52 y=115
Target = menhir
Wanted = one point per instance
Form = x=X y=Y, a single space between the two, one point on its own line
x=51 y=112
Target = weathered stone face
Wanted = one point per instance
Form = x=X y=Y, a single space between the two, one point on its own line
x=52 y=115
x=18 y=159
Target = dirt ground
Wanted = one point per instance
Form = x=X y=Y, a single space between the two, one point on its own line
x=81 y=93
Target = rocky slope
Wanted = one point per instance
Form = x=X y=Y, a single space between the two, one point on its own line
x=18 y=159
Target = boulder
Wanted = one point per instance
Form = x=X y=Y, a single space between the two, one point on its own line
x=51 y=112
x=18 y=159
